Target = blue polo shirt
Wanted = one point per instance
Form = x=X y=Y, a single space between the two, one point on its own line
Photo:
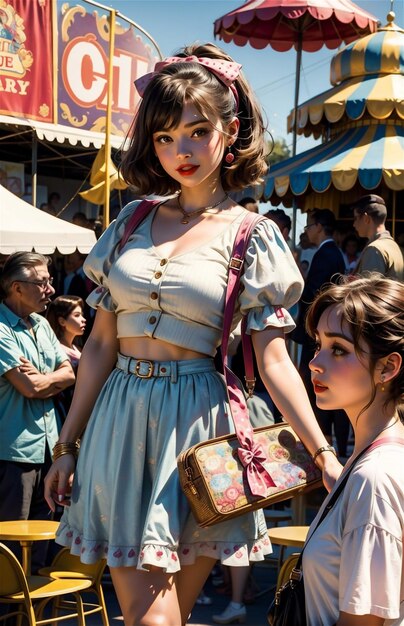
x=26 y=424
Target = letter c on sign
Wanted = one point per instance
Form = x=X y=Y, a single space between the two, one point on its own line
x=84 y=69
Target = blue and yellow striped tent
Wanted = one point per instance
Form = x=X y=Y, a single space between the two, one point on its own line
x=368 y=79
x=369 y=154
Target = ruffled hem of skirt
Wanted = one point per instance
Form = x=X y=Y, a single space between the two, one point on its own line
x=170 y=559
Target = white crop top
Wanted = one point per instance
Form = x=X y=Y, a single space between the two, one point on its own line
x=180 y=299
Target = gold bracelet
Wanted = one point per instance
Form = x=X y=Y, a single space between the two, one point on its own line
x=68 y=447
x=324 y=449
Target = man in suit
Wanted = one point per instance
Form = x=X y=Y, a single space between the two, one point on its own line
x=76 y=283
x=327 y=264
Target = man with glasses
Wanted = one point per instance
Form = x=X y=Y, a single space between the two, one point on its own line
x=33 y=369
x=381 y=254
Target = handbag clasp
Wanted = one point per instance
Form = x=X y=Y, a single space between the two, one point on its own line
x=296 y=574
x=250 y=384
x=190 y=484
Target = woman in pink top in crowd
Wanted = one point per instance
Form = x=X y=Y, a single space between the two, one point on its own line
x=65 y=315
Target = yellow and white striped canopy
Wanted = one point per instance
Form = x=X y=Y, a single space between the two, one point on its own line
x=368 y=79
x=379 y=96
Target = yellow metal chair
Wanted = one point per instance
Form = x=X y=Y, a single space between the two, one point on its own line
x=66 y=565
x=31 y=594
x=285 y=571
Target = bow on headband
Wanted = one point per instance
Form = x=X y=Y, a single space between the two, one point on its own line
x=226 y=71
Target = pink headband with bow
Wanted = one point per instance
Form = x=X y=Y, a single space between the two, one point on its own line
x=226 y=71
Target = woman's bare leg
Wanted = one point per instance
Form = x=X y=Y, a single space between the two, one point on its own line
x=146 y=598
x=189 y=582
x=239 y=578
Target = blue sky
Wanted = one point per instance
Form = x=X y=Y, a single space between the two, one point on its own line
x=174 y=23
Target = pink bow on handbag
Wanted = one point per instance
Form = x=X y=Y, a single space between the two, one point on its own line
x=257 y=476
x=226 y=71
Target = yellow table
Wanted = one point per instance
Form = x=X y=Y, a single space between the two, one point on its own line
x=26 y=532
x=287 y=536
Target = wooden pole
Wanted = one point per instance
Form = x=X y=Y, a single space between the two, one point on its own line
x=34 y=167
x=112 y=17
x=55 y=62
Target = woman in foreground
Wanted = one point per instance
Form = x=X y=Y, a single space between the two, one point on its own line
x=147 y=386
x=353 y=563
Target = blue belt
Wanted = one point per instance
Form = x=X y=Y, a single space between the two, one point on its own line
x=145 y=368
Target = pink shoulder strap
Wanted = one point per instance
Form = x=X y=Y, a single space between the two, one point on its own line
x=384 y=440
x=251 y=454
x=142 y=210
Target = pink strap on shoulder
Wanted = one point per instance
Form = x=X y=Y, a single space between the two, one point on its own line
x=251 y=454
x=142 y=210
x=384 y=440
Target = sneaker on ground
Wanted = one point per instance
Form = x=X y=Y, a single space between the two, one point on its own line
x=203 y=599
x=231 y=615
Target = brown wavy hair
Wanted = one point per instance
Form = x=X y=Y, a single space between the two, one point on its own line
x=161 y=108
x=62 y=306
x=373 y=309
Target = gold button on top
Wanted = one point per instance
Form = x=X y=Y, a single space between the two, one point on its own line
x=158 y=275
x=163 y=262
x=154 y=295
x=152 y=319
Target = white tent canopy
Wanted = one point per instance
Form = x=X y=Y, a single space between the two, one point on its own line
x=24 y=227
x=61 y=133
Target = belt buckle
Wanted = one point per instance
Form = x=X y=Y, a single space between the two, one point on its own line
x=149 y=372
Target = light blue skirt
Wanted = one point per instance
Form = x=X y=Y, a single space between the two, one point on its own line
x=127 y=505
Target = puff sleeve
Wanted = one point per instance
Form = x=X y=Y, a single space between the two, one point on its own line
x=271 y=283
x=98 y=262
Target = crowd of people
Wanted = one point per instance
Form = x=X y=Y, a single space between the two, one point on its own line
x=134 y=328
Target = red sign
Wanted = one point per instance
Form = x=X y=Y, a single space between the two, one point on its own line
x=26 y=59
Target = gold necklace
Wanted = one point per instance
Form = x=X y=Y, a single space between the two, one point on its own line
x=187 y=216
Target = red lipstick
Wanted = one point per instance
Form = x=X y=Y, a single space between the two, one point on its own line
x=187 y=170
x=318 y=387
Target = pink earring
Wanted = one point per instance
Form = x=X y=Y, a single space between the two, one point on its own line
x=229 y=158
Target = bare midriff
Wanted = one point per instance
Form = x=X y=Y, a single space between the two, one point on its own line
x=156 y=350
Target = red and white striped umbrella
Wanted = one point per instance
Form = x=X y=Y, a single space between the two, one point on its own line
x=304 y=24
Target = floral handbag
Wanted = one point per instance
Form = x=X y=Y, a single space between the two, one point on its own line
x=214 y=479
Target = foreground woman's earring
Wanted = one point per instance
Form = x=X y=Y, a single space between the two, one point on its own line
x=229 y=158
x=382 y=387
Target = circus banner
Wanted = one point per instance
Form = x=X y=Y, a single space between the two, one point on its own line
x=26 y=58
x=83 y=57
